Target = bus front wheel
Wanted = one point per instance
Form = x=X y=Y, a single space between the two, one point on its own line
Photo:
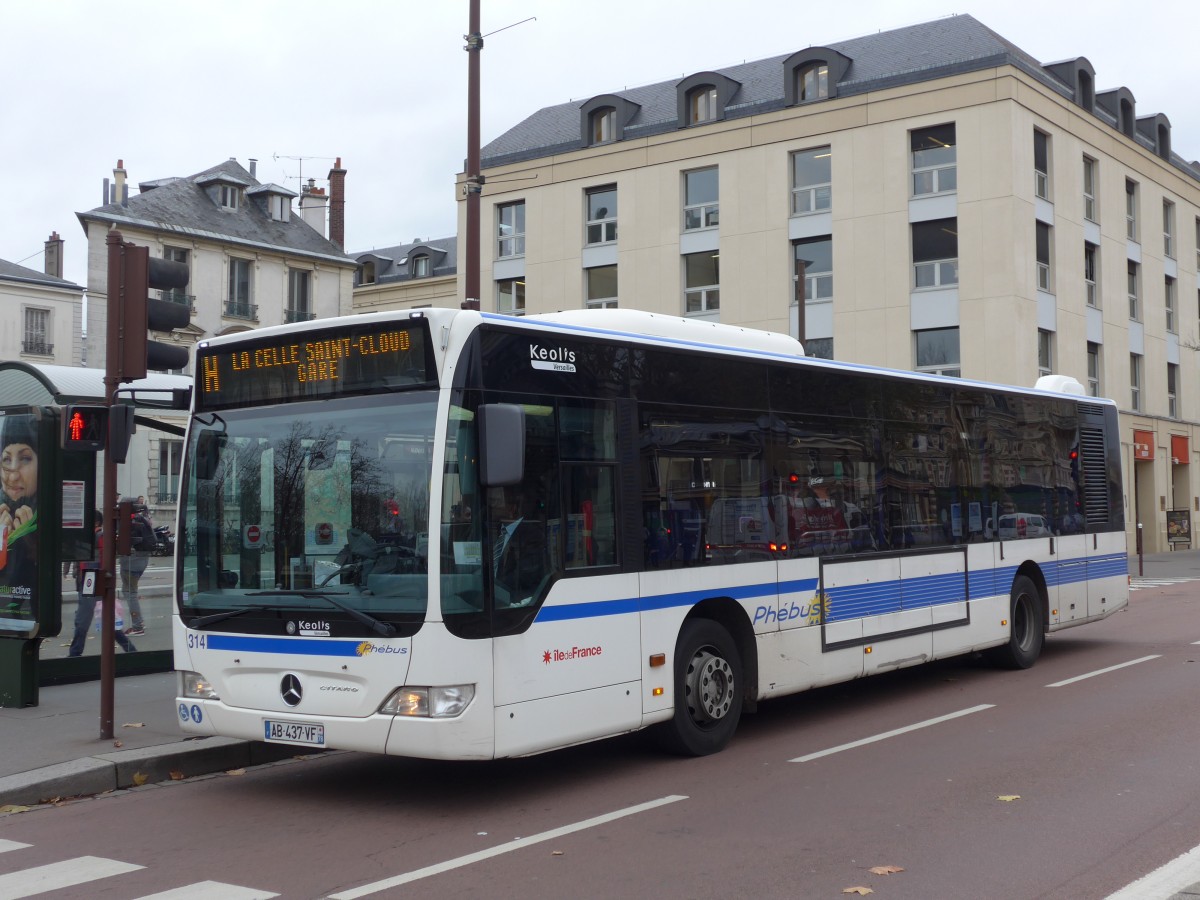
x=708 y=690
x=1026 y=635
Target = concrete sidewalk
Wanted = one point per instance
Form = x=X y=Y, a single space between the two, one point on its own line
x=54 y=749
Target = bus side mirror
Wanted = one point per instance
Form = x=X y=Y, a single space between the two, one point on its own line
x=208 y=453
x=501 y=444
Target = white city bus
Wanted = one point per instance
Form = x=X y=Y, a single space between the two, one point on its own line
x=456 y=535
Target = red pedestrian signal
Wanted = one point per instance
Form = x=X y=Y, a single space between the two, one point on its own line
x=84 y=427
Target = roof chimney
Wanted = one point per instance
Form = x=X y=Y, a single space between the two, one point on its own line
x=120 y=189
x=254 y=169
x=337 y=204
x=54 y=255
x=312 y=206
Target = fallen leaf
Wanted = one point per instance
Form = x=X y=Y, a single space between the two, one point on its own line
x=1009 y=798
x=236 y=772
x=118 y=744
x=176 y=775
x=12 y=808
x=134 y=725
x=557 y=853
x=860 y=890
x=139 y=779
x=885 y=870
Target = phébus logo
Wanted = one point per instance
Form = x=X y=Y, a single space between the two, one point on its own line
x=810 y=612
x=367 y=647
x=552 y=359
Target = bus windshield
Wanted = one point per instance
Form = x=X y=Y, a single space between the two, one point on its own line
x=309 y=506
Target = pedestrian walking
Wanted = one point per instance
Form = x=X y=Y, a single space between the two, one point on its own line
x=85 y=607
x=142 y=541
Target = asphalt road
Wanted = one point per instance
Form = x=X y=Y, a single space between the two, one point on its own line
x=1068 y=780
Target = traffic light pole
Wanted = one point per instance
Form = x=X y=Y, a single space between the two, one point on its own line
x=108 y=555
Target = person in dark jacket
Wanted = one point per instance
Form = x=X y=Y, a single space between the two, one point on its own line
x=142 y=541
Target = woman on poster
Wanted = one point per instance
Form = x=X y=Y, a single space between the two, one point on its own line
x=18 y=516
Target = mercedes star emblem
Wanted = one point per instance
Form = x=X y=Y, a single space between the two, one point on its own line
x=290 y=690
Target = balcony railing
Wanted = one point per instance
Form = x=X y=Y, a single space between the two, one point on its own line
x=39 y=347
x=177 y=296
x=297 y=315
x=167 y=495
x=241 y=311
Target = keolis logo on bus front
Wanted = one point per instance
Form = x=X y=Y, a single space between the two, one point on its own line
x=552 y=359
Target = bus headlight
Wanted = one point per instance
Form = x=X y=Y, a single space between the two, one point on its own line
x=441 y=702
x=196 y=686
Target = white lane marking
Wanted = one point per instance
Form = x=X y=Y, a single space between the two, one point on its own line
x=211 y=890
x=1164 y=881
x=1132 y=662
x=890 y=734
x=6 y=846
x=59 y=875
x=518 y=844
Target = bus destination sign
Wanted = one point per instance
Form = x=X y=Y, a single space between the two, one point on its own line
x=313 y=364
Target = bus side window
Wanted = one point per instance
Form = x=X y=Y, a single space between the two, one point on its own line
x=591 y=538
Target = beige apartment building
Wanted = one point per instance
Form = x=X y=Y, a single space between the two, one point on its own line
x=930 y=198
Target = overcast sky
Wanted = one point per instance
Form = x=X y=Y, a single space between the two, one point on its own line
x=173 y=87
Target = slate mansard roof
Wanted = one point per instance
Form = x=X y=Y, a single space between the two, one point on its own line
x=944 y=47
x=11 y=272
x=392 y=263
x=183 y=206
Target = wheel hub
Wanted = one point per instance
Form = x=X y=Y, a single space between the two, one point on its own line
x=710 y=687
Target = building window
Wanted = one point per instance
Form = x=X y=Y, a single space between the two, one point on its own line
x=510 y=297
x=1198 y=244
x=229 y=195
x=604 y=125
x=1131 y=205
x=1132 y=279
x=176 y=295
x=1172 y=391
x=510 y=227
x=366 y=273
x=280 y=207
x=812 y=182
x=602 y=215
x=238 y=304
x=1135 y=382
x=1168 y=229
x=935 y=253
x=819 y=348
x=170 y=459
x=702 y=282
x=1041 y=164
x=37 y=332
x=934 y=160
x=1093 y=369
x=299 y=308
x=937 y=352
x=1090 y=273
x=1045 y=352
x=1090 y=210
x=702 y=105
x=1169 y=301
x=420 y=266
x=701 y=209
x=601 y=287
x=1044 y=281
x=812 y=82
x=814 y=263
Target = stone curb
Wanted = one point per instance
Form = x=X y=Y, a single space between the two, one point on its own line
x=114 y=771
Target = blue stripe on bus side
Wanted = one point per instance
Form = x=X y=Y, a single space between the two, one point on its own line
x=301 y=646
x=858 y=600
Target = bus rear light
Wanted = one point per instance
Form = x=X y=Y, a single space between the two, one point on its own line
x=440 y=702
x=195 y=686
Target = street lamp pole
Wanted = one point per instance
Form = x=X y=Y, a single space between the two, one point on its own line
x=474 y=180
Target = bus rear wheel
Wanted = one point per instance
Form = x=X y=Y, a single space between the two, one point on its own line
x=1026 y=636
x=708 y=691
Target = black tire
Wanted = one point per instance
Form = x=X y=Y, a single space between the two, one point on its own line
x=1026 y=635
x=708 y=691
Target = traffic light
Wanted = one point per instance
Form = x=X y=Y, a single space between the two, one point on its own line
x=141 y=313
x=84 y=427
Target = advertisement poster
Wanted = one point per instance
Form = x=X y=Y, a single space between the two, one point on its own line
x=18 y=522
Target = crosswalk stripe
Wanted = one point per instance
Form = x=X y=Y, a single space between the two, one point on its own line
x=211 y=890
x=55 y=876
x=5 y=846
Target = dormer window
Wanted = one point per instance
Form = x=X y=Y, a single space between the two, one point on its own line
x=420 y=266
x=366 y=273
x=604 y=125
x=228 y=195
x=280 y=208
x=812 y=82
x=702 y=105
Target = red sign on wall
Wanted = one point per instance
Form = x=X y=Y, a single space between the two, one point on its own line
x=1143 y=445
x=1179 y=450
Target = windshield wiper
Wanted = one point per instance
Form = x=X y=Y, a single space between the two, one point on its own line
x=383 y=629
x=205 y=621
